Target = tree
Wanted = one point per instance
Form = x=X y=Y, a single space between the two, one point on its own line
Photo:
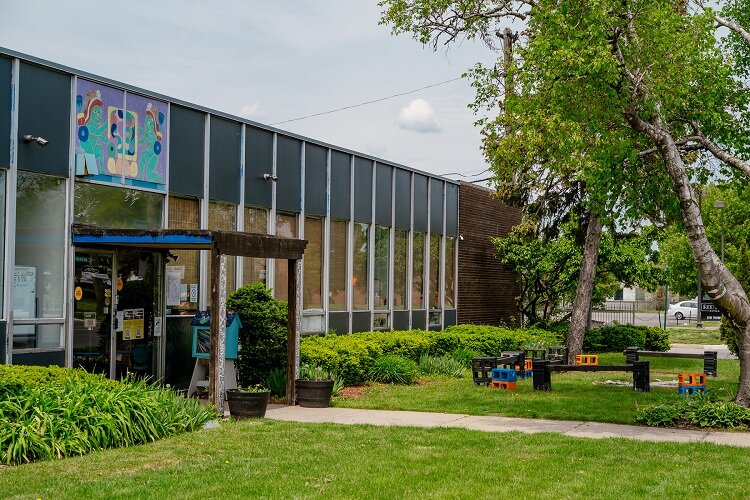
x=626 y=92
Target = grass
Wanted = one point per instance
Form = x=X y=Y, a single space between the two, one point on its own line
x=285 y=460
x=692 y=335
x=573 y=396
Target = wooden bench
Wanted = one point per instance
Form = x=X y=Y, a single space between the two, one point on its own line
x=710 y=364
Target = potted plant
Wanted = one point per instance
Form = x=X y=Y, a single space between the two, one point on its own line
x=314 y=387
x=250 y=402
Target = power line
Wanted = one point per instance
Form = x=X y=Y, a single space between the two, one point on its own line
x=369 y=102
x=468 y=175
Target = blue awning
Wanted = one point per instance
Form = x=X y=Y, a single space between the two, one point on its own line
x=168 y=241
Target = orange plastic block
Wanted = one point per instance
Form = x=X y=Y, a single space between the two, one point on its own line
x=691 y=379
x=528 y=364
x=506 y=386
x=587 y=359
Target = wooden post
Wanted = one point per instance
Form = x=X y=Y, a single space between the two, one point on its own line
x=294 y=317
x=218 y=331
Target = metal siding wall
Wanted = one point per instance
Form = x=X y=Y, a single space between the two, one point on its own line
x=361 y=321
x=258 y=161
x=224 y=160
x=340 y=185
x=419 y=320
x=400 y=320
x=44 y=358
x=338 y=322
x=186 y=148
x=44 y=110
x=289 y=172
x=6 y=66
x=316 y=159
x=449 y=317
x=420 y=202
x=3 y=352
x=403 y=198
x=383 y=186
x=436 y=206
x=362 y=190
x=451 y=210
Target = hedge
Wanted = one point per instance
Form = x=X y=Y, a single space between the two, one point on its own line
x=616 y=338
x=352 y=356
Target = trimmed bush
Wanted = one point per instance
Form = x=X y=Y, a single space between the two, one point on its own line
x=71 y=412
x=352 y=356
x=701 y=410
x=391 y=369
x=263 y=333
x=616 y=338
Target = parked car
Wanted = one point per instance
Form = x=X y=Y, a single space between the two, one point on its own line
x=682 y=310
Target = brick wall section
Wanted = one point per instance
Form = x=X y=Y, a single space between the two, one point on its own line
x=485 y=291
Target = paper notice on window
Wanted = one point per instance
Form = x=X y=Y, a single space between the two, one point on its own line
x=174 y=280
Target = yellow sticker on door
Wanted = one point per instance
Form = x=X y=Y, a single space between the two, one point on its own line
x=78 y=293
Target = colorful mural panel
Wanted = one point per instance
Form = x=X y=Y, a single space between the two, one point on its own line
x=115 y=144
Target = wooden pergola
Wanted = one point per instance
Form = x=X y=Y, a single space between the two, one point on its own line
x=221 y=244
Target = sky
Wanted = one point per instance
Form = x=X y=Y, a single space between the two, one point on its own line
x=272 y=61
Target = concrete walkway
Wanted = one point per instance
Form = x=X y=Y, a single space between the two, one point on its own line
x=503 y=424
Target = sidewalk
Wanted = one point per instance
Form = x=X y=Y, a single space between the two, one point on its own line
x=594 y=430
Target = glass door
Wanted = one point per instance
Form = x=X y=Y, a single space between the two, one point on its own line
x=92 y=318
x=139 y=306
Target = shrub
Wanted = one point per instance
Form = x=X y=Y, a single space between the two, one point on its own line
x=74 y=412
x=728 y=335
x=701 y=410
x=276 y=382
x=443 y=365
x=616 y=338
x=263 y=334
x=464 y=356
x=352 y=356
x=392 y=369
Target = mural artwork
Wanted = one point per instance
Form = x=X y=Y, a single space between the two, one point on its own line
x=120 y=138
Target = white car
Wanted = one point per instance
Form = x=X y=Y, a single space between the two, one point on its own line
x=682 y=310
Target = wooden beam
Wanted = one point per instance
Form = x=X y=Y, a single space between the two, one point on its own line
x=216 y=357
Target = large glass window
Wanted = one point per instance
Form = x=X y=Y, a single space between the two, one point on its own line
x=435 y=271
x=450 y=272
x=286 y=225
x=400 y=259
x=313 y=283
x=39 y=271
x=184 y=266
x=417 y=281
x=337 y=266
x=221 y=217
x=113 y=206
x=382 y=267
x=360 y=261
x=254 y=268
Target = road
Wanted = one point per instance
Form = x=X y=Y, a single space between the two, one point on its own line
x=642 y=318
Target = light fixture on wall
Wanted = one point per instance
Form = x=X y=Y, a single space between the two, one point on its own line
x=35 y=138
x=270 y=177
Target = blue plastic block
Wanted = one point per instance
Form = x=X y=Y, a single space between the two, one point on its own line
x=504 y=375
x=689 y=390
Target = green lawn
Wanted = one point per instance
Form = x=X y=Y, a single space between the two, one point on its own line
x=692 y=335
x=573 y=395
x=284 y=460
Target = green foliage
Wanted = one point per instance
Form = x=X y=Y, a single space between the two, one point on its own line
x=392 y=369
x=616 y=338
x=728 y=335
x=276 y=382
x=464 y=356
x=71 y=412
x=313 y=372
x=442 y=365
x=701 y=410
x=352 y=356
x=263 y=334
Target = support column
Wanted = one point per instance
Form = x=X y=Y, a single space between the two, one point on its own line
x=218 y=331
x=294 y=317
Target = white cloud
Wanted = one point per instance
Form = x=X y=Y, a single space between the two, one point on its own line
x=419 y=117
x=254 y=111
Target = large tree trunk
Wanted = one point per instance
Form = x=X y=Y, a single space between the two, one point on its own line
x=718 y=282
x=582 y=302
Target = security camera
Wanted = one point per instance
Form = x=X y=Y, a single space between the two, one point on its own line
x=270 y=177
x=34 y=138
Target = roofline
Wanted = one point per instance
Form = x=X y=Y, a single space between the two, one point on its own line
x=131 y=88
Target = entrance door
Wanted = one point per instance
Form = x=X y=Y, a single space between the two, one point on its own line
x=138 y=320
x=92 y=318
x=117 y=312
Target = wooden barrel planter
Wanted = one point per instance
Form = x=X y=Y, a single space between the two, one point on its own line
x=314 y=393
x=246 y=404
